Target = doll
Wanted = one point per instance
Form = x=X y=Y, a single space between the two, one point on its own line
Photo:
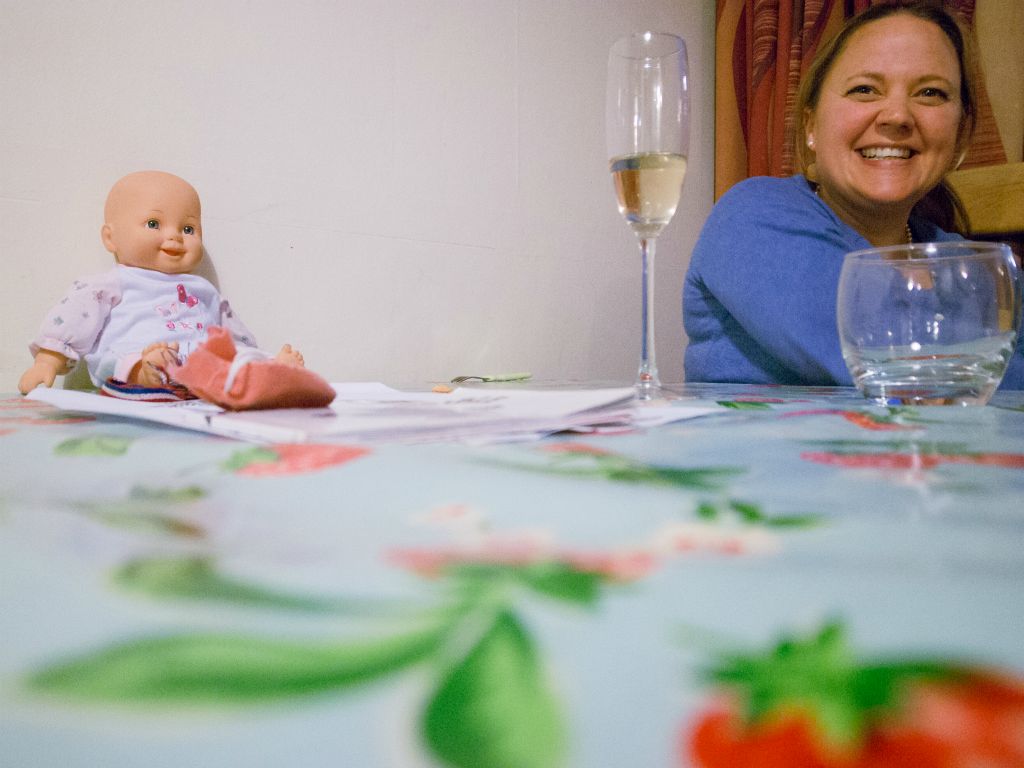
x=135 y=323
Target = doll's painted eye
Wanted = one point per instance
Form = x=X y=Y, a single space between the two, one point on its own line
x=188 y=230
x=153 y=224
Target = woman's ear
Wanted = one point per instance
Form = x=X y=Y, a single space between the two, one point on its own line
x=808 y=126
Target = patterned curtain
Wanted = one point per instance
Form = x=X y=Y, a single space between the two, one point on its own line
x=762 y=48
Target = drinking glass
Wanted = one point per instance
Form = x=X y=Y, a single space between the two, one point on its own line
x=648 y=133
x=929 y=323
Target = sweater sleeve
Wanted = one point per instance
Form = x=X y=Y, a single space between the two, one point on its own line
x=761 y=289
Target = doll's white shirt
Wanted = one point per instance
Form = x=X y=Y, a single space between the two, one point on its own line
x=108 y=319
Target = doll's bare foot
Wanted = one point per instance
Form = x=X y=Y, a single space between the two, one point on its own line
x=290 y=356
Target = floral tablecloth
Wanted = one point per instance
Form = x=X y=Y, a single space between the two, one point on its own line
x=797 y=579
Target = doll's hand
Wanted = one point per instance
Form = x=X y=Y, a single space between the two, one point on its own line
x=151 y=370
x=290 y=356
x=46 y=368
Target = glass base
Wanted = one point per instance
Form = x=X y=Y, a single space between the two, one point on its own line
x=650 y=390
x=647 y=386
x=953 y=374
x=914 y=393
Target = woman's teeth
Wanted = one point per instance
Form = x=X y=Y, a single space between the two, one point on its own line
x=883 y=152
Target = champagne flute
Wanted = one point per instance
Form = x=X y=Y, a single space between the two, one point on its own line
x=648 y=132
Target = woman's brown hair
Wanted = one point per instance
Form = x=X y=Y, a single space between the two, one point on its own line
x=940 y=205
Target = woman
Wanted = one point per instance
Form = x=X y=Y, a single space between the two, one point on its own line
x=885 y=110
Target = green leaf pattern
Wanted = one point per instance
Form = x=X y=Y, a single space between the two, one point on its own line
x=491 y=704
x=225 y=669
x=494 y=708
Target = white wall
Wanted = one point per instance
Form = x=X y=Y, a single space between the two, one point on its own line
x=405 y=190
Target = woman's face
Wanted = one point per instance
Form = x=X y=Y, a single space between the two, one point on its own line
x=886 y=123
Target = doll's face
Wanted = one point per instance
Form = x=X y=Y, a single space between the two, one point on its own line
x=153 y=221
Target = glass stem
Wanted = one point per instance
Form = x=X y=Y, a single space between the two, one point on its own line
x=647 y=383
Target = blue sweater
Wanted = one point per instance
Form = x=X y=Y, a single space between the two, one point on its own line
x=759 y=302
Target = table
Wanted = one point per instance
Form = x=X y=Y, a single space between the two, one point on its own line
x=169 y=598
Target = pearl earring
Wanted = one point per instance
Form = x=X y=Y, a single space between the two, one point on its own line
x=810 y=143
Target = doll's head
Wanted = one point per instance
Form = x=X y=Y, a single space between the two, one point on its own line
x=153 y=220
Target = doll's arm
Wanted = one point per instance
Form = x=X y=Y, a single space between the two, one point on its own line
x=70 y=329
x=44 y=370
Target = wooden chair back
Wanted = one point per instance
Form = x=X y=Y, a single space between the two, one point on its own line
x=994 y=198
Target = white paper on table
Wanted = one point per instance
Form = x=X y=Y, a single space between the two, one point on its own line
x=647 y=416
x=364 y=412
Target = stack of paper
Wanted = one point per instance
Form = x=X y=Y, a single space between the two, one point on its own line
x=374 y=412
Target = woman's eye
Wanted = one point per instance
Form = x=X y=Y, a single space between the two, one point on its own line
x=153 y=224
x=189 y=230
x=860 y=90
x=936 y=94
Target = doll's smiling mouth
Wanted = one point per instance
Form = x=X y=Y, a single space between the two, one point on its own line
x=885 y=153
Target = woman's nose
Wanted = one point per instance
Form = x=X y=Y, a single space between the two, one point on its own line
x=895 y=111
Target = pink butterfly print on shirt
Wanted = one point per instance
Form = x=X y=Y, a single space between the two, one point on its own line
x=184 y=298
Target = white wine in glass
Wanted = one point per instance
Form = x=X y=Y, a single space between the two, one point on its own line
x=648 y=138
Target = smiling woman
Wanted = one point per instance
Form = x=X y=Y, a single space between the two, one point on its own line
x=885 y=111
